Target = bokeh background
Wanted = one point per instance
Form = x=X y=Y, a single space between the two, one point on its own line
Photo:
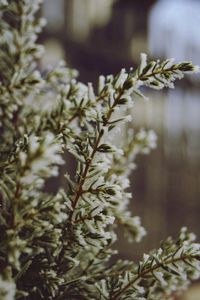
x=102 y=36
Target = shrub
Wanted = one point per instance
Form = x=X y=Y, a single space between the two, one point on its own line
x=59 y=245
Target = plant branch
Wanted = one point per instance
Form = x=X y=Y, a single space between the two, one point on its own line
x=79 y=189
x=116 y=296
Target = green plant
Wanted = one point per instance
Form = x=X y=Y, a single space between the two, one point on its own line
x=59 y=246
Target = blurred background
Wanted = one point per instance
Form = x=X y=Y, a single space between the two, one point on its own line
x=102 y=36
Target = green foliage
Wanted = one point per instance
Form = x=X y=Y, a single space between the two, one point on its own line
x=59 y=246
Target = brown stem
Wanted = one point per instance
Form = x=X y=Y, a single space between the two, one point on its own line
x=158 y=71
x=116 y=296
x=79 y=190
